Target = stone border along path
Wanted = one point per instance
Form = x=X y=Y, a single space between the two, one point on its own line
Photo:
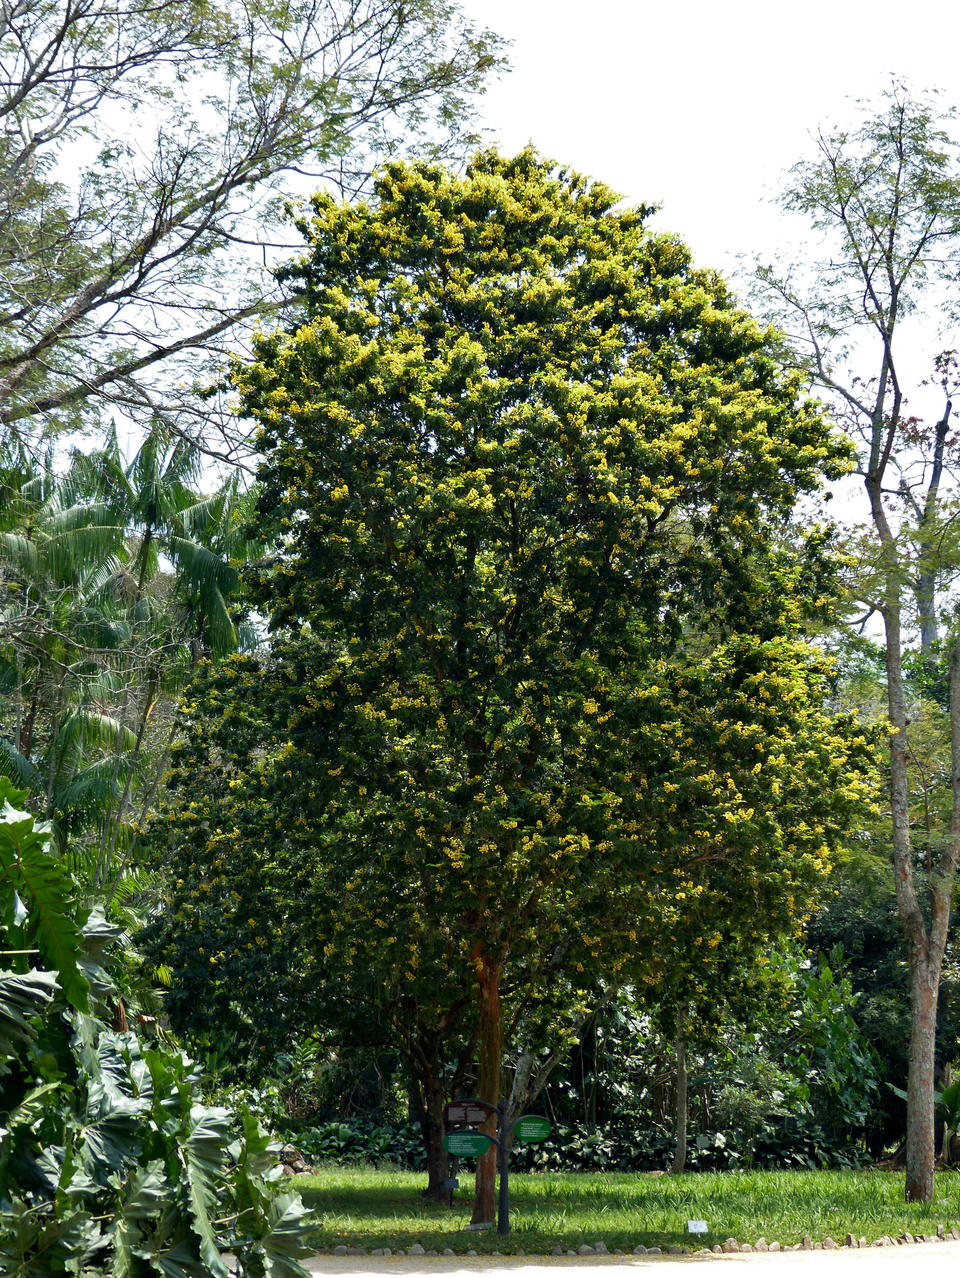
x=844 y=1262
x=730 y=1247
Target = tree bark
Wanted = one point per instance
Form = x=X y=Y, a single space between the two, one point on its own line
x=488 y=1087
x=921 y=1145
x=926 y=940
x=431 y=1125
x=680 y=1149
x=926 y=575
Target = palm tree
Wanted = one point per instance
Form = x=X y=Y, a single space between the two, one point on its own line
x=114 y=577
x=60 y=552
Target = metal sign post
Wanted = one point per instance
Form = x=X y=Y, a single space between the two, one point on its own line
x=503 y=1201
x=467 y=1114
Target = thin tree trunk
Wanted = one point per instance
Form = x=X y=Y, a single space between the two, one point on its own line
x=926 y=577
x=431 y=1125
x=19 y=718
x=105 y=858
x=120 y=863
x=26 y=737
x=117 y=756
x=925 y=945
x=54 y=740
x=921 y=1144
x=680 y=1149
x=488 y=1086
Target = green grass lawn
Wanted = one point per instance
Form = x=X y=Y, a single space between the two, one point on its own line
x=364 y=1207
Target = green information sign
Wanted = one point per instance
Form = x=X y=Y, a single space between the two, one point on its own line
x=465 y=1144
x=531 y=1127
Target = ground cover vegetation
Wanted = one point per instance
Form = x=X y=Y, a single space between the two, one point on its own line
x=371 y=1209
x=529 y=479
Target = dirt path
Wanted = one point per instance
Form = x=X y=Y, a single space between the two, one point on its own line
x=931 y=1260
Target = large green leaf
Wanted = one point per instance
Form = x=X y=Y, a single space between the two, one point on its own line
x=26 y=1115
x=205 y=1154
x=74 y=1186
x=37 y=1244
x=286 y=1242
x=23 y=996
x=144 y=1196
x=114 y=1126
x=111 y=1132
x=255 y=1153
x=29 y=868
x=30 y=1109
x=180 y=1260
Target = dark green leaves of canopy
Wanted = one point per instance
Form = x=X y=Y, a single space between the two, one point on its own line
x=527 y=472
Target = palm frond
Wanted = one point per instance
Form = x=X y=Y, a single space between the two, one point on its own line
x=19 y=769
x=199 y=565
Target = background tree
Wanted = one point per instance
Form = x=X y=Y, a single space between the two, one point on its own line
x=885 y=196
x=526 y=473
x=859 y=911
x=98 y=634
x=143 y=149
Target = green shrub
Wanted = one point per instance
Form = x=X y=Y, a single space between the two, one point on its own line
x=109 y=1162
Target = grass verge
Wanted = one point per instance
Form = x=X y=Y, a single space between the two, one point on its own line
x=370 y=1208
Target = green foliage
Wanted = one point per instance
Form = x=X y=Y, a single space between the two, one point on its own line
x=783 y=1079
x=859 y=912
x=948 y=1108
x=121 y=1165
x=146 y=142
x=108 y=1158
x=97 y=632
x=842 y=1069
x=36 y=893
x=537 y=709
x=360 y=1141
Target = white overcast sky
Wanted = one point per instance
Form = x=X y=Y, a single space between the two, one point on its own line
x=699 y=106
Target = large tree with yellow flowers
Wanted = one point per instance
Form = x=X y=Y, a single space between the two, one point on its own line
x=539 y=711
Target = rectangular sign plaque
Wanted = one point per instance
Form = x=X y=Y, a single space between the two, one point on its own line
x=467 y=1113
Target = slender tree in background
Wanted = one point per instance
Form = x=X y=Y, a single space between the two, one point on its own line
x=885 y=197
x=143 y=150
x=526 y=473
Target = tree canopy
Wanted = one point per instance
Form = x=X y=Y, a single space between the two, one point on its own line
x=537 y=701
x=141 y=161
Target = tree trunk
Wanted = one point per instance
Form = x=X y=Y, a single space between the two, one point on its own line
x=680 y=1149
x=926 y=941
x=488 y=1086
x=926 y=585
x=921 y=1145
x=431 y=1125
x=421 y=1051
